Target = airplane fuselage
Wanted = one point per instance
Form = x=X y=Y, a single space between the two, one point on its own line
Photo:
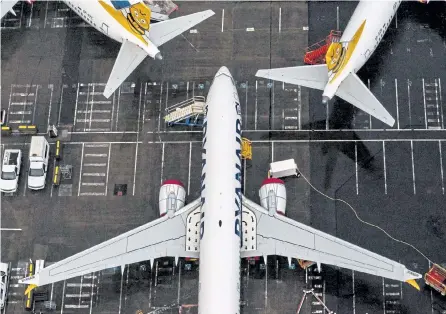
x=375 y=17
x=220 y=224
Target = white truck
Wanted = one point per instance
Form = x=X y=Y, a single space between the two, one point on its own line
x=38 y=162
x=12 y=162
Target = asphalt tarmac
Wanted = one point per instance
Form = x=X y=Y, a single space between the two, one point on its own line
x=54 y=68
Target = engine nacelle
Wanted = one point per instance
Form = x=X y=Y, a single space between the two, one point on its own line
x=273 y=195
x=172 y=196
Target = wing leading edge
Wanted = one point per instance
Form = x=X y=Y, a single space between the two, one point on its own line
x=279 y=235
x=162 y=237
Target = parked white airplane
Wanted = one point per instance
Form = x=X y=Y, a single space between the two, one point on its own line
x=362 y=35
x=222 y=226
x=128 y=22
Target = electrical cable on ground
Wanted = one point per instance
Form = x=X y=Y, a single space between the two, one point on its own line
x=363 y=221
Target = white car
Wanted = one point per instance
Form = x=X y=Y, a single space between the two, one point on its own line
x=4 y=271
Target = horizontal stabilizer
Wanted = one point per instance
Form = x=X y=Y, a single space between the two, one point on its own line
x=129 y=57
x=313 y=76
x=6 y=6
x=353 y=90
x=162 y=32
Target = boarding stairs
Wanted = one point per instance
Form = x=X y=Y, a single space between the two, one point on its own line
x=311 y=291
x=315 y=54
x=186 y=112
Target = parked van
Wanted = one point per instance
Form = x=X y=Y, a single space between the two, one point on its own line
x=38 y=162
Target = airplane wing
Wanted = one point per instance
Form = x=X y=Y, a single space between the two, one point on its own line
x=279 y=235
x=353 y=90
x=129 y=57
x=162 y=237
x=313 y=76
x=6 y=6
x=162 y=32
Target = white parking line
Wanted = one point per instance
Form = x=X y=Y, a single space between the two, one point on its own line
x=413 y=168
x=92 y=291
x=396 y=100
x=188 y=174
x=246 y=103
x=138 y=131
x=385 y=171
x=409 y=84
x=51 y=86
x=441 y=167
x=272 y=151
x=280 y=20
x=222 y=19
x=120 y=292
x=162 y=164
x=272 y=105
x=80 y=175
x=337 y=18
x=356 y=167
x=441 y=102
x=424 y=102
x=117 y=107
x=161 y=105
x=108 y=169
x=63 y=298
x=354 y=293
x=255 y=114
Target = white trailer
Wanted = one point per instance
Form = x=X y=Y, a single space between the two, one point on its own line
x=284 y=168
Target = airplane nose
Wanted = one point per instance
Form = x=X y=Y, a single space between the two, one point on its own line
x=223 y=70
x=158 y=56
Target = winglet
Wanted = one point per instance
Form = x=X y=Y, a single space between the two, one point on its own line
x=413 y=283
x=30 y=288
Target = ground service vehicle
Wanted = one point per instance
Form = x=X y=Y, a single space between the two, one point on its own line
x=38 y=162
x=4 y=271
x=9 y=179
x=436 y=278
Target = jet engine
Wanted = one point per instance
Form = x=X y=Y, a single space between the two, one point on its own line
x=172 y=196
x=273 y=195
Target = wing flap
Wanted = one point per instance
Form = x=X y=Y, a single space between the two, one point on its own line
x=353 y=90
x=162 y=32
x=129 y=57
x=313 y=76
x=279 y=235
x=159 y=238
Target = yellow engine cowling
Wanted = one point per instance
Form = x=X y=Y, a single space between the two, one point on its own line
x=334 y=56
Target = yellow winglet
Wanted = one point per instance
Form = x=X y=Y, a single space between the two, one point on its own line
x=30 y=288
x=413 y=283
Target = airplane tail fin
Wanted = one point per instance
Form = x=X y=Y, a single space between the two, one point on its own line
x=353 y=90
x=129 y=57
x=162 y=32
x=312 y=76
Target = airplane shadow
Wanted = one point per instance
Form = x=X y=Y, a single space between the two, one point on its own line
x=341 y=118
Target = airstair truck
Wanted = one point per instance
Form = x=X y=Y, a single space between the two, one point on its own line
x=12 y=161
x=38 y=162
